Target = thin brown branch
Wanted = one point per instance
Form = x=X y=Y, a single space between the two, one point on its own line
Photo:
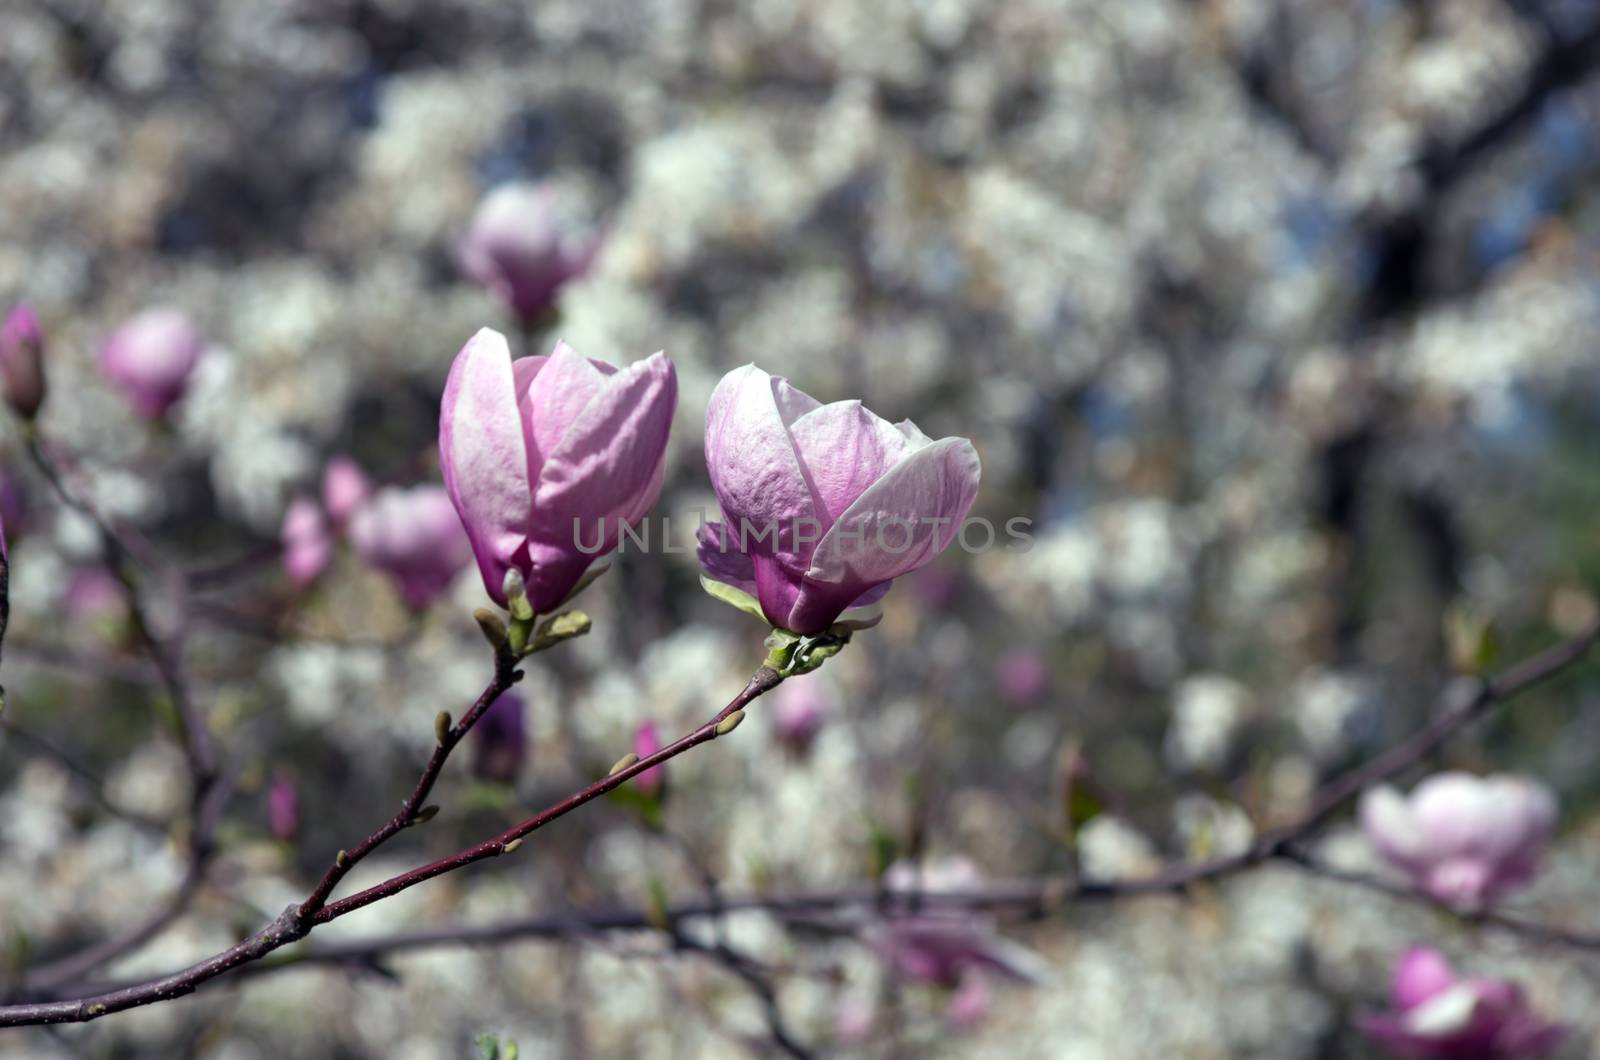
x=506 y=674
x=1529 y=930
x=193 y=731
x=294 y=923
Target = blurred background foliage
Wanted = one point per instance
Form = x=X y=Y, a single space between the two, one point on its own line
x=1276 y=318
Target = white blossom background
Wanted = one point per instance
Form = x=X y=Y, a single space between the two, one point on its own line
x=1279 y=374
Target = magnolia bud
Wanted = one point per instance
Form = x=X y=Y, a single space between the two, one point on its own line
x=22 y=362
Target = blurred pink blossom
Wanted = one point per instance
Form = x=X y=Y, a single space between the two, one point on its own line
x=283 y=809
x=799 y=712
x=1441 y=1016
x=22 y=361
x=500 y=740
x=151 y=356
x=345 y=487
x=646 y=742
x=1464 y=840
x=307 y=542
x=943 y=944
x=93 y=593
x=524 y=248
x=1022 y=675
x=412 y=535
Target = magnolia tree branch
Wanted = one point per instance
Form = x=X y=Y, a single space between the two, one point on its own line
x=295 y=922
x=413 y=810
x=193 y=731
x=210 y=789
x=1036 y=897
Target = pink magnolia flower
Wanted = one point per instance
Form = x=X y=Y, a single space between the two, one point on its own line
x=1464 y=840
x=547 y=458
x=1023 y=675
x=22 y=361
x=283 y=809
x=151 y=357
x=825 y=504
x=523 y=248
x=413 y=535
x=345 y=487
x=307 y=542
x=500 y=740
x=942 y=944
x=1439 y=1015
x=799 y=712
x=646 y=742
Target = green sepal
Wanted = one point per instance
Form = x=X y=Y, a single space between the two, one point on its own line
x=729 y=595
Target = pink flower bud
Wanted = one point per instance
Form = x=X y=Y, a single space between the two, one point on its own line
x=1436 y=1014
x=800 y=711
x=547 y=458
x=1023 y=675
x=414 y=536
x=524 y=248
x=500 y=740
x=647 y=742
x=345 y=487
x=825 y=504
x=283 y=809
x=1464 y=840
x=151 y=357
x=307 y=544
x=22 y=361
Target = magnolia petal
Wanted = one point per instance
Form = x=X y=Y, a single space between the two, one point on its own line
x=1421 y=972
x=1386 y=820
x=903 y=521
x=721 y=559
x=753 y=463
x=484 y=456
x=553 y=400
x=608 y=466
x=844 y=449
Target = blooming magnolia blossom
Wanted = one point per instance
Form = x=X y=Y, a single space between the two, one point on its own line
x=1464 y=840
x=1444 y=1017
x=414 y=536
x=307 y=542
x=646 y=742
x=22 y=361
x=946 y=945
x=548 y=458
x=825 y=504
x=523 y=247
x=500 y=740
x=345 y=487
x=150 y=358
